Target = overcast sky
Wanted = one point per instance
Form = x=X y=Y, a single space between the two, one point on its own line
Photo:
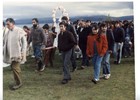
x=18 y=10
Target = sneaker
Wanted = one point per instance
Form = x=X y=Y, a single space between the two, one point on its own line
x=15 y=87
x=43 y=67
x=82 y=67
x=95 y=81
x=33 y=56
x=64 y=81
x=103 y=76
x=118 y=62
x=107 y=76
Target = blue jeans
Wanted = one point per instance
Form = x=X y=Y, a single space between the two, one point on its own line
x=37 y=51
x=66 y=62
x=106 y=63
x=118 y=51
x=96 y=65
x=38 y=56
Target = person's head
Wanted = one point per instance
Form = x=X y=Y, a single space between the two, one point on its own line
x=131 y=24
x=25 y=28
x=53 y=29
x=10 y=23
x=95 y=29
x=65 y=19
x=121 y=23
x=35 y=22
x=62 y=26
x=88 y=22
x=83 y=23
x=117 y=24
x=103 y=27
x=46 y=28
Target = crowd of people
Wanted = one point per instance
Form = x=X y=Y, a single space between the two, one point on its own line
x=91 y=40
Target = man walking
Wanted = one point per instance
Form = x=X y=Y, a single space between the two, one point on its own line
x=71 y=29
x=12 y=50
x=37 y=38
x=66 y=42
x=119 y=35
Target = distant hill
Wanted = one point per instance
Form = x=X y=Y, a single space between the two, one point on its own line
x=101 y=18
x=92 y=18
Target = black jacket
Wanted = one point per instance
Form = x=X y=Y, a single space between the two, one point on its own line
x=110 y=39
x=66 y=41
x=83 y=37
x=119 y=35
x=71 y=29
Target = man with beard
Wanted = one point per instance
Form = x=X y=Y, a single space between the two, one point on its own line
x=37 y=38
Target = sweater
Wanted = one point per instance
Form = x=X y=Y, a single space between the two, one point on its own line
x=37 y=36
x=102 y=46
x=12 y=45
x=119 y=35
x=110 y=39
x=66 y=41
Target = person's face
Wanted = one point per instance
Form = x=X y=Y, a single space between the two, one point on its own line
x=121 y=24
x=103 y=29
x=62 y=28
x=25 y=30
x=83 y=24
x=34 y=23
x=45 y=30
x=9 y=25
x=88 y=23
x=94 y=31
x=117 y=25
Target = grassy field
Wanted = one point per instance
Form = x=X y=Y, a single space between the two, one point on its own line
x=47 y=85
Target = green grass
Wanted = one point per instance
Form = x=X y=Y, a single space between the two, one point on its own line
x=47 y=86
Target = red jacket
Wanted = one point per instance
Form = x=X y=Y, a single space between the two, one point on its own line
x=102 y=46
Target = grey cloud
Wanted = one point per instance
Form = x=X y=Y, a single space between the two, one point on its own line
x=44 y=9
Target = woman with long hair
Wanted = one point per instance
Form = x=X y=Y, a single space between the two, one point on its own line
x=96 y=49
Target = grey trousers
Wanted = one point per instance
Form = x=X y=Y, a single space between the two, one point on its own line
x=66 y=56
